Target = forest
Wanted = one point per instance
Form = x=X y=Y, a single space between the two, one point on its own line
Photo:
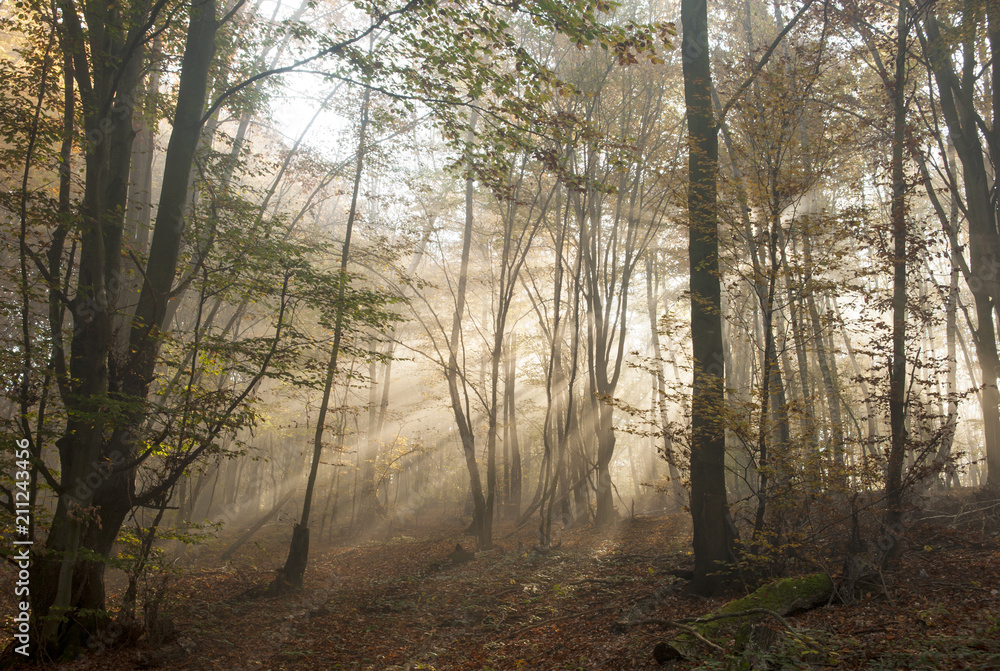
x=500 y=334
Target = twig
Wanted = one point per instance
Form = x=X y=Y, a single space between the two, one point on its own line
x=599 y=581
x=673 y=624
x=682 y=624
x=694 y=632
x=763 y=61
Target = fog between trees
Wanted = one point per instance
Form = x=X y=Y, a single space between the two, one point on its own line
x=362 y=268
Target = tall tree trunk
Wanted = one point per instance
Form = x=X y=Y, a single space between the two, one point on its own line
x=659 y=381
x=826 y=369
x=809 y=435
x=73 y=584
x=293 y=572
x=773 y=435
x=480 y=527
x=943 y=457
x=897 y=376
x=957 y=97
x=709 y=506
x=369 y=507
x=514 y=474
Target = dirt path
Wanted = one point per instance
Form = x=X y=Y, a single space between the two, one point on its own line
x=394 y=604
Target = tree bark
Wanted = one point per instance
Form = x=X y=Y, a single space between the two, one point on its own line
x=293 y=572
x=709 y=507
x=957 y=96
x=897 y=376
x=481 y=527
x=94 y=472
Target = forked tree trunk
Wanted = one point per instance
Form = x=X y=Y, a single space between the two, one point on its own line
x=957 y=97
x=68 y=583
x=773 y=436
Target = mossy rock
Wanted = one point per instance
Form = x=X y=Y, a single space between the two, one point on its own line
x=783 y=597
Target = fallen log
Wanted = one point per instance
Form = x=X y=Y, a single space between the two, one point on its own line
x=777 y=599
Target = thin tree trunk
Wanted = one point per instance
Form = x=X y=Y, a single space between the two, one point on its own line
x=514 y=474
x=293 y=572
x=832 y=394
x=873 y=437
x=897 y=377
x=659 y=381
x=809 y=435
x=480 y=527
x=943 y=457
x=773 y=431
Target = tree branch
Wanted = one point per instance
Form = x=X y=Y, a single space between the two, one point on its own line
x=294 y=66
x=762 y=62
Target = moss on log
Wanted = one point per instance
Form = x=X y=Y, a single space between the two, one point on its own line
x=778 y=598
x=787 y=595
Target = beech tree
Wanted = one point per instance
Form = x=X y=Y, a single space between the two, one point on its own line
x=96 y=387
x=713 y=537
x=105 y=378
x=957 y=75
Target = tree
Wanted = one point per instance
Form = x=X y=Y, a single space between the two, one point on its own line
x=960 y=103
x=112 y=427
x=95 y=388
x=292 y=573
x=713 y=537
x=900 y=231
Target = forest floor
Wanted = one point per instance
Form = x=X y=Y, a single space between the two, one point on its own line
x=392 y=603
